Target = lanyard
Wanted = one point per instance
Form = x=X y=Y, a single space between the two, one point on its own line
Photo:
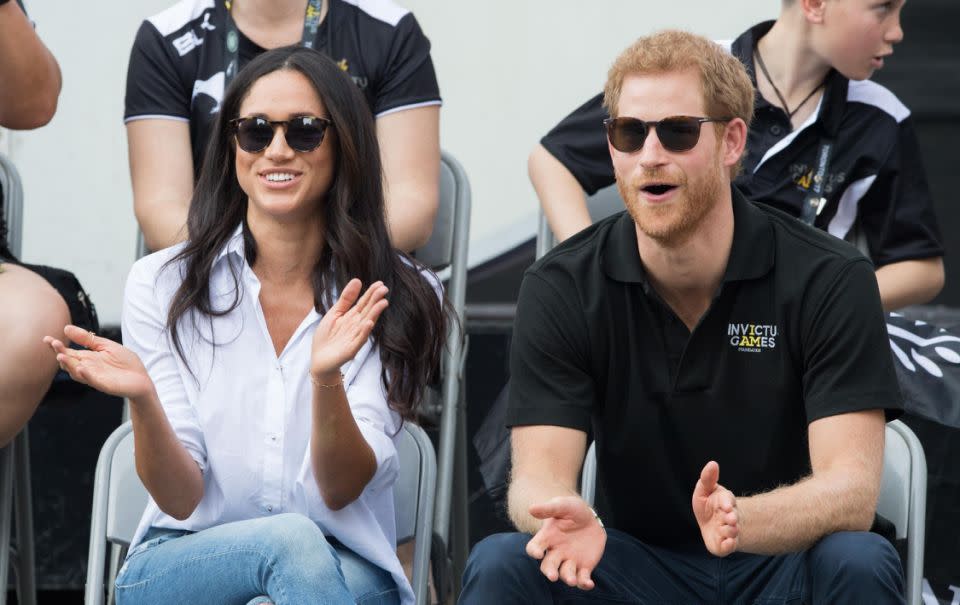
x=815 y=201
x=311 y=21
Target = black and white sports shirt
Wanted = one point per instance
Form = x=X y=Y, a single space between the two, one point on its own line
x=176 y=68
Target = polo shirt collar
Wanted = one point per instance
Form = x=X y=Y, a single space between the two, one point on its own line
x=751 y=255
x=835 y=93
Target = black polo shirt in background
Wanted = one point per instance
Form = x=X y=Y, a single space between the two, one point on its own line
x=875 y=180
x=795 y=334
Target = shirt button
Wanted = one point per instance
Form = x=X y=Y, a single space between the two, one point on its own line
x=273 y=438
x=775 y=130
x=269 y=508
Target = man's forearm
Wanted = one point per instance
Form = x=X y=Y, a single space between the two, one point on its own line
x=561 y=197
x=794 y=517
x=911 y=282
x=526 y=491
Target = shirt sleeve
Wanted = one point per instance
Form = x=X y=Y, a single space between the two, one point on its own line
x=580 y=143
x=408 y=78
x=847 y=362
x=550 y=379
x=897 y=211
x=144 y=332
x=154 y=89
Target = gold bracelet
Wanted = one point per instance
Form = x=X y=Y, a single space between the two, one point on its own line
x=313 y=379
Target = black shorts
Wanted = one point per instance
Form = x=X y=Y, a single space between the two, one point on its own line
x=82 y=312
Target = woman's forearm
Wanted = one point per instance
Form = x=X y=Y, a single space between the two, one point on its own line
x=167 y=469
x=343 y=461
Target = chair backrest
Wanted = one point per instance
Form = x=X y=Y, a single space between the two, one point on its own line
x=903 y=499
x=903 y=496
x=12 y=204
x=414 y=494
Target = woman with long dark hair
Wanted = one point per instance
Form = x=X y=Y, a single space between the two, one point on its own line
x=266 y=370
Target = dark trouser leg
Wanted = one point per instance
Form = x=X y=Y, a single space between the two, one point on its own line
x=854 y=567
x=845 y=567
x=499 y=571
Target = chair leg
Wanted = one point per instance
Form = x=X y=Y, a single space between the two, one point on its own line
x=6 y=510
x=23 y=507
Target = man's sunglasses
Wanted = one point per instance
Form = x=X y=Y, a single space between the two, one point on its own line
x=303 y=133
x=677 y=133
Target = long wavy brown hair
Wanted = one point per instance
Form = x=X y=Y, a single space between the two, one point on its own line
x=410 y=333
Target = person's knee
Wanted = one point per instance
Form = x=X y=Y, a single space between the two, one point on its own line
x=32 y=310
x=294 y=536
x=857 y=558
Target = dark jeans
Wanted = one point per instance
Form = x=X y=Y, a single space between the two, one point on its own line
x=846 y=567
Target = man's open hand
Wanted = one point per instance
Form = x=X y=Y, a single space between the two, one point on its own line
x=715 y=508
x=570 y=541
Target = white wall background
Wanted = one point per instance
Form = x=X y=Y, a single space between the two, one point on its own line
x=508 y=71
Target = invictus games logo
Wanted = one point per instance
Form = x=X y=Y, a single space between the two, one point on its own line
x=752 y=338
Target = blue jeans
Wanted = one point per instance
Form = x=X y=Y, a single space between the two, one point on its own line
x=846 y=567
x=284 y=559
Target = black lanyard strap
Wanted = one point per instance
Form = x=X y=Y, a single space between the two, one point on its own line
x=815 y=201
x=311 y=22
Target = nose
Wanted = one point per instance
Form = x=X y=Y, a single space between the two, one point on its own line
x=895 y=32
x=278 y=148
x=652 y=154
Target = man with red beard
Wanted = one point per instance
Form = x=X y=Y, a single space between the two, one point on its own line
x=693 y=334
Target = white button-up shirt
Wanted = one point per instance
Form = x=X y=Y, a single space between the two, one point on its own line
x=245 y=414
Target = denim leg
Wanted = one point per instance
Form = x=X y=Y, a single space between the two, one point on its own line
x=855 y=567
x=500 y=571
x=285 y=557
x=369 y=584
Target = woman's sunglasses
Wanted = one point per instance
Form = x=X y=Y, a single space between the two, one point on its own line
x=677 y=133
x=303 y=133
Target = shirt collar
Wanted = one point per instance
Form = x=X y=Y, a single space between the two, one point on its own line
x=835 y=87
x=234 y=245
x=751 y=255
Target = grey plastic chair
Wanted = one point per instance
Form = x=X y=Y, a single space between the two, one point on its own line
x=119 y=500
x=903 y=496
x=447 y=249
x=903 y=499
x=15 y=488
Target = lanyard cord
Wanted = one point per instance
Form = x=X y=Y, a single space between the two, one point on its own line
x=783 y=102
x=311 y=22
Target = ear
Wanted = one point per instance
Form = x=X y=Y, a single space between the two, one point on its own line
x=734 y=141
x=812 y=10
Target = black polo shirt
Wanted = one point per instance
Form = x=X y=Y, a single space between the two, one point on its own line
x=794 y=334
x=875 y=178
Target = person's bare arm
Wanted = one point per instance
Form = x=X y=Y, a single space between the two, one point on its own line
x=29 y=74
x=161 y=171
x=846 y=456
x=410 y=150
x=546 y=463
x=561 y=197
x=167 y=469
x=910 y=282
